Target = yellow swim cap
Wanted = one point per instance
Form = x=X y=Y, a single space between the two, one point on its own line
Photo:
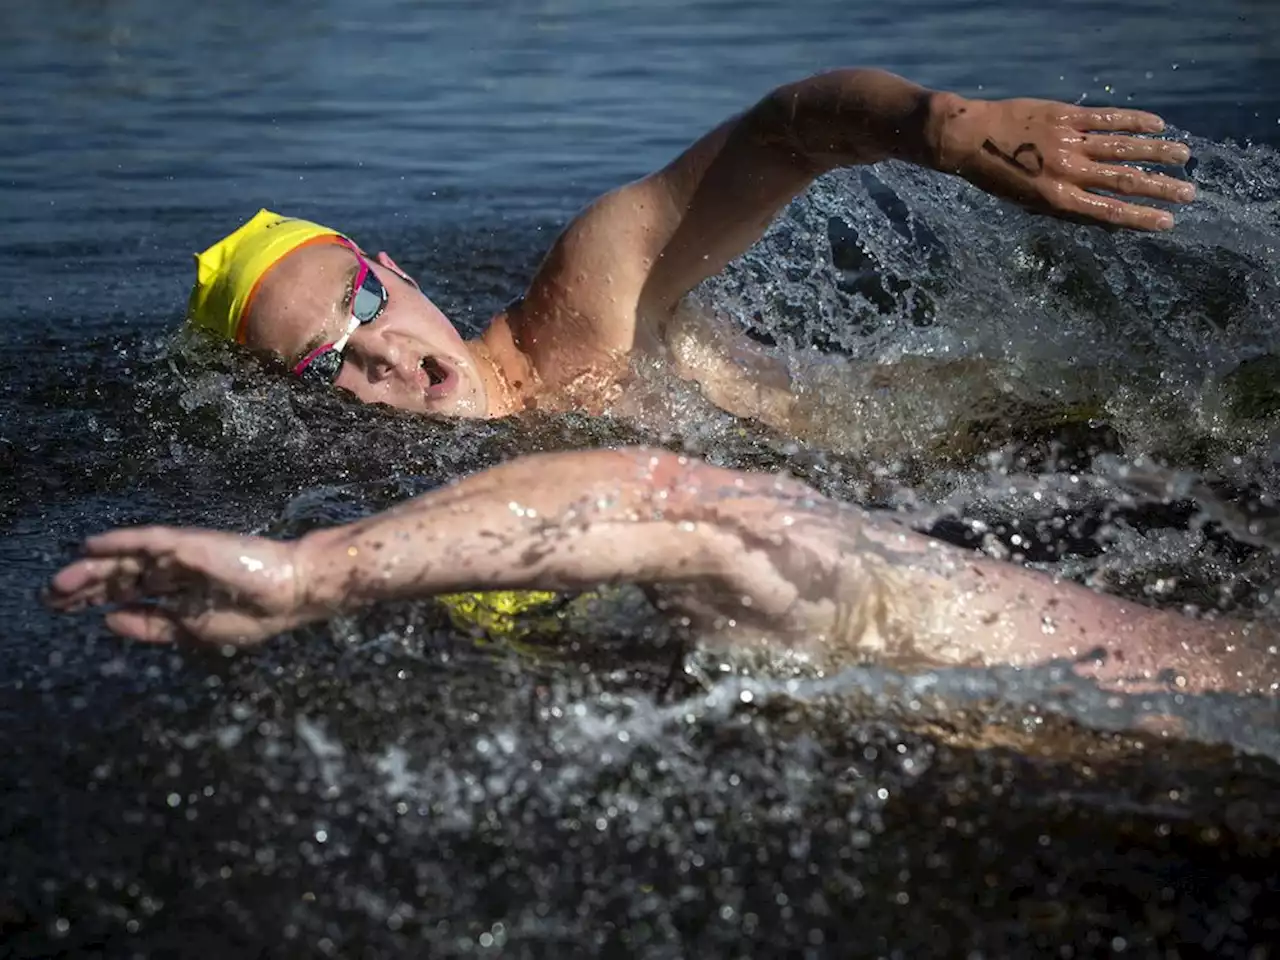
x=228 y=273
x=497 y=612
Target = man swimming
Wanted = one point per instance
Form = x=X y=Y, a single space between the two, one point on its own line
x=748 y=560
x=611 y=282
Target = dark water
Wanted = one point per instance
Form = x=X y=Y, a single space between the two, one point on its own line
x=387 y=786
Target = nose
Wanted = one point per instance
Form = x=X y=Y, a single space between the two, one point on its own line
x=382 y=358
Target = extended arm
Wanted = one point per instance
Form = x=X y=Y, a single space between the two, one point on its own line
x=637 y=250
x=553 y=521
x=749 y=558
x=559 y=522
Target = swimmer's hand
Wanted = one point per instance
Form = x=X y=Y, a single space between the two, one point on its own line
x=167 y=584
x=1050 y=157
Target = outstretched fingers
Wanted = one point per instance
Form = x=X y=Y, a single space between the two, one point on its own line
x=98 y=581
x=1076 y=203
x=1114 y=118
x=94 y=581
x=168 y=583
x=1133 y=182
x=1136 y=150
x=120 y=566
x=137 y=540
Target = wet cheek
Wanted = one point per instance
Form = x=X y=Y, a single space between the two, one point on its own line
x=348 y=379
x=396 y=393
x=354 y=382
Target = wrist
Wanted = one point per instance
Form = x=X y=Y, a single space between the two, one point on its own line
x=949 y=131
x=321 y=566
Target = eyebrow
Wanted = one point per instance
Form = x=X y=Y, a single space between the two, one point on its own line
x=316 y=341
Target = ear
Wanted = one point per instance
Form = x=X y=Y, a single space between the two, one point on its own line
x=384 y=259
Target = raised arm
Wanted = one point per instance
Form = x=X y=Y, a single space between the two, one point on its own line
x=637 y=250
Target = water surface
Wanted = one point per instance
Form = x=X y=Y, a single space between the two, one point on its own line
x=387 y=786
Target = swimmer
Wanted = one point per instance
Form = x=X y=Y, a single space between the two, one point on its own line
x=752 y=562
x=610 y=284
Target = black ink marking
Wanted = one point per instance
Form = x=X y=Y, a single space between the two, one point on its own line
x=1032 y=166
x=1036 y=156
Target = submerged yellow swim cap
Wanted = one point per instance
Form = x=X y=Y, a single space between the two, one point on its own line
x=228 y=273
x=496 y=612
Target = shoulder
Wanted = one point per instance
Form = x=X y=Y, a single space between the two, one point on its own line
x=594 y=275
x=548 y=355
x=576 y=323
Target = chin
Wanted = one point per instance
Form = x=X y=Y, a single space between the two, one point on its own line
x=469 y=405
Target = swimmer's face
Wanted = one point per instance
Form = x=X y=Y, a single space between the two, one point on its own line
x=410 y=356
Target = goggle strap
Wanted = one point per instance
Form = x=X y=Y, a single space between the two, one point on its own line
x=310 y=357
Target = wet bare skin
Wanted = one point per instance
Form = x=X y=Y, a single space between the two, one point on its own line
x=611 y=281
x=303 y=302
x=749 y=561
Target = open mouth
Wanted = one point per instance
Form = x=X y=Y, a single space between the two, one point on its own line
x=436 y=373
x=440 y=377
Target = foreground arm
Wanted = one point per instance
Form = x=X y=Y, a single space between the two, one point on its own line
x=639 y=249
x=750 y=558
x=562 y=522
